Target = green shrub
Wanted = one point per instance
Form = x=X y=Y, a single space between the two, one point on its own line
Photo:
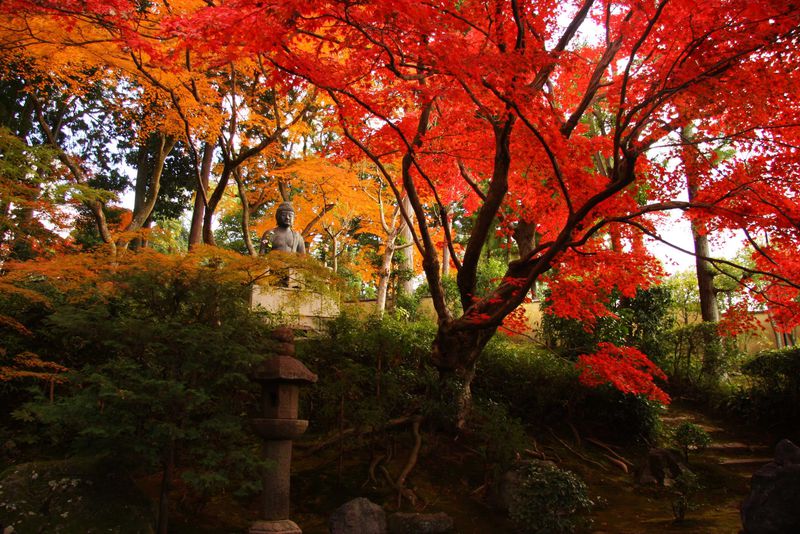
x=536 y=385
x=549 y=500
x=542 y=389
x=689 y=436
x=160 y=348
x=610 y=414
x=370 y=371
x=770 y=395
x=501 y=437
x=642 y=321
x=685 y=488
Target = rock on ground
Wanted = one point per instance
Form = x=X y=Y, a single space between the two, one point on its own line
x=773 y=506
x=359 y=516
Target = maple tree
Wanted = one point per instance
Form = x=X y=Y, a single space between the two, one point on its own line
x=545 y=138
x=542 y=119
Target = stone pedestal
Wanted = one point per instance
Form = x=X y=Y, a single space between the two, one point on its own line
x=280 y=377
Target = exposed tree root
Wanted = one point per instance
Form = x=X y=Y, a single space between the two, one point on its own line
x=610 y=451
x=578 y=454
x=312 y=448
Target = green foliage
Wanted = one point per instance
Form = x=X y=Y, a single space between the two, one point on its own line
x=549 y=500
x=160 y=348
x=610 y=414
x=771 y=394
x=641 y=322
x=689 y=346
x=685 y=488
x=501 y=437
x=689 y=436
x=84 y=495
x=541 y=389
x=536 y=385
x=370 y=371
x=451 y=294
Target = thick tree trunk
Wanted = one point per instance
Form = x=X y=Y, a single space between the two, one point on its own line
x=456 y=350
x=709 y=308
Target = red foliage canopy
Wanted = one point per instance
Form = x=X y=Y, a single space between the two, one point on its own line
x=547 y=119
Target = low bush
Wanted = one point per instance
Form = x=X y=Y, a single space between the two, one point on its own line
x=769 y=396
x=536 y=385
x=689 y=436
x=370 y=371
x=549 y=500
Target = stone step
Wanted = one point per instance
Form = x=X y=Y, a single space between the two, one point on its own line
x=745 y=462
x=737 y=448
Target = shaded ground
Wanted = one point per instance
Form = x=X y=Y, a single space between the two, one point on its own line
x=449 y=480
x=724 y=470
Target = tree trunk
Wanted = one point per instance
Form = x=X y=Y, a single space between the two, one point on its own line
x=709 y=308
x=140 y=188
x=456 y=349
x=384 y=274
x=245 y=213
x=198 y=214
x=166 y=485
x=148 y=183
x=335 y=254
x=407 y=285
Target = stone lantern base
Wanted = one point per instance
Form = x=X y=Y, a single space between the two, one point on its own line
x=282 y=526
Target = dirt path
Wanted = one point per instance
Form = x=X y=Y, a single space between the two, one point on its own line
x=723 y=469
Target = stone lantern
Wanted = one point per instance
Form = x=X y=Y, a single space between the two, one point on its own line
x=280 y=377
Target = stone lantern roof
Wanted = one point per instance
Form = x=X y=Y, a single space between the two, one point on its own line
x=283 y=369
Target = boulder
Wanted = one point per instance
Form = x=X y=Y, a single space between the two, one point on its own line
x=773 y=506
x=401 y=523
x=359 y=516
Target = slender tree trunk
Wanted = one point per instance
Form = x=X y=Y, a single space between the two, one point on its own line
x=709 y=307
x=245 y=213
x=148 y=183
x=140 y=189
x=407 y=285
x=384 y=273
x=196 y=229
x=208 y=215
x=166 y=486
x=335 y=253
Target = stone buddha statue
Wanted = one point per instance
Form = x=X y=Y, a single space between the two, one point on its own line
x=282 y=237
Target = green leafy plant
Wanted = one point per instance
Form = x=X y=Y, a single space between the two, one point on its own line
x=501 y=437
x=549 y=500
x=689 y=436
x=686 y=487
x=159 y=349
